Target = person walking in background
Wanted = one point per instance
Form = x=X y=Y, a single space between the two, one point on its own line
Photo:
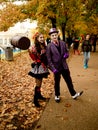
x=81 y=38
x=69 y=41
x=48 y=40
x=76 y=45
x=93 y=41
x=39 y=65
x=86 y=48
x=57 y=54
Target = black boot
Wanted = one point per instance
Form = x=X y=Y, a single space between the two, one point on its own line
x=36 y=101
x=41 y=97
x=36 y=97
x=39 y=94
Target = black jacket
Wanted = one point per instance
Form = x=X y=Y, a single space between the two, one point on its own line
x=86 y=46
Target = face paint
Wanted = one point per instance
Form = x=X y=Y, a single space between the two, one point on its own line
x=54 y=37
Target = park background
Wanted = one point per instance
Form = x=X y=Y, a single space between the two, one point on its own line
x=73 y=17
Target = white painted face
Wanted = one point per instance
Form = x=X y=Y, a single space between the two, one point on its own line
x=41 y=38
x=87 y=37
x=54 y=37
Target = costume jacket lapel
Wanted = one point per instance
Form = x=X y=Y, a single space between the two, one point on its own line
x=55 y=49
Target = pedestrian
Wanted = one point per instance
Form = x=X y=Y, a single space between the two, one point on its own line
x=48 y=40
x=69 y=41
x=93 y=41
x=86 y=48
x=76 y=45
x=39 y=66
x=57 y=54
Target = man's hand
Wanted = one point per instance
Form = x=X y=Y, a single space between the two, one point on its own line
x=66 y=55
x=55 y=71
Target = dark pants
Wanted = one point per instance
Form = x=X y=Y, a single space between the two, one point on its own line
x=94 y=48
x=68 y=80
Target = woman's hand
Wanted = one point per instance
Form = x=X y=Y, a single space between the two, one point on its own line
x=43 y=51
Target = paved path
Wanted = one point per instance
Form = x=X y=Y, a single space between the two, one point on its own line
x=80 y=114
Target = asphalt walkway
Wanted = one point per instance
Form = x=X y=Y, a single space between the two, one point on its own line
x=80 y=114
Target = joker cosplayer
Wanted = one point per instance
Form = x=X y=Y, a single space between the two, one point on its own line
x=57 y=54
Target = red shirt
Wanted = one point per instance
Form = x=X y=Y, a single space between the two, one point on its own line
x=34 y=55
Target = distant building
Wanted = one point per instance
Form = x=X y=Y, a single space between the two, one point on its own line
x=5 y=38
x=22 y=29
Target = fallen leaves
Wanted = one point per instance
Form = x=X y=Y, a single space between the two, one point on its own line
x=17 y=110
x=67 y=105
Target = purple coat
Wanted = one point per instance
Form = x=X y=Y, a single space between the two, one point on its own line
x=55 y=59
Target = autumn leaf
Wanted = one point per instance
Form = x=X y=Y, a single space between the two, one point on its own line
x=67 y=105
x=17 y=110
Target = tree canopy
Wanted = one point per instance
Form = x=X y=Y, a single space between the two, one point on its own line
x=72 y=16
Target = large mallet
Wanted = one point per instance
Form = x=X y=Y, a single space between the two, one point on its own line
x=20 y=42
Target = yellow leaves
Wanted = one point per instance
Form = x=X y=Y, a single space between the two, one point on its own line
x=17 y=110
x=67 y=105
x=9 y=16
x=93 y=23
x=64 y=118
x=80 y=25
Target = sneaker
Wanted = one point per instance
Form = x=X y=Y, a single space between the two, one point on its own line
x=77 y=95
x=85 y=67
x=57 y=99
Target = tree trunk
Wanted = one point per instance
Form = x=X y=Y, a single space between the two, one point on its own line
x=63 y=30
x=53 y=21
